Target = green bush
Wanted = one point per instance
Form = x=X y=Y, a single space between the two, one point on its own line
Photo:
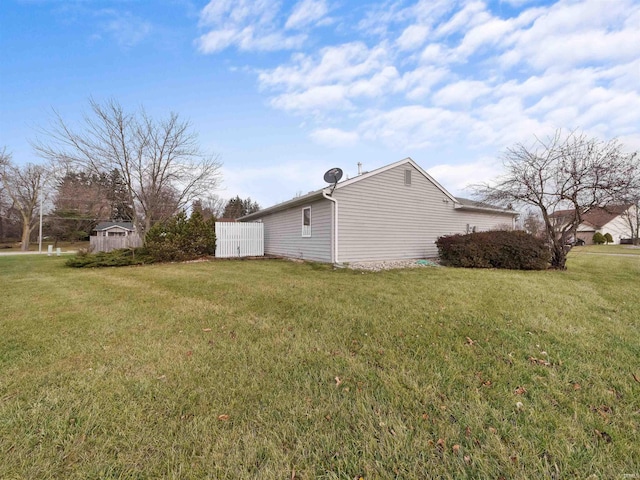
x=608 y=237
x=116 y=258
x=515 y=250
x=181 y=238
x=599 y=239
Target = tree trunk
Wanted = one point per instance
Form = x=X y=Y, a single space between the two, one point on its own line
x=558 y=257
x=26 y=234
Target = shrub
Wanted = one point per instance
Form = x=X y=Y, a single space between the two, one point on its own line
x=116 y=258
x=514 y=250
x=598 y=238
x=181 y=238
x=608 y=237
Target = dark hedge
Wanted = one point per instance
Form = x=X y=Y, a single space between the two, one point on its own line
x=515 y=250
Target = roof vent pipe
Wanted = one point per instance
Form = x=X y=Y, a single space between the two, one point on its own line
x=359 y=168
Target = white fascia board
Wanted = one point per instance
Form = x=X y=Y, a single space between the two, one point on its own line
x=404 y=161
x=311 y=196
x=486 y=209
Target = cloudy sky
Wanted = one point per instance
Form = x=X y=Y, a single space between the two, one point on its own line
x=284 y=90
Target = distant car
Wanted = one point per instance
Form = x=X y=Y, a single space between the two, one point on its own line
x=574 y=243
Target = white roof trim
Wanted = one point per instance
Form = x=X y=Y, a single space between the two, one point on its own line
x=317 y=194
x=407 y=161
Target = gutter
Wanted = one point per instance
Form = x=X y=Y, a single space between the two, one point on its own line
x=335 y=225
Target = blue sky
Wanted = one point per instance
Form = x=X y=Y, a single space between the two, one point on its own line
x=284 y=90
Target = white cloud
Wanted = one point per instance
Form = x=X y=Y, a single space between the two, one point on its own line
x=334 y=137
x=307 y=12
x=315 y=99
x=461 y=93
x=458 y=178
x=413 y=37
x=414 y=126
x=341 y=63
x=432 y=74
x=125 y=28
x=249 y=25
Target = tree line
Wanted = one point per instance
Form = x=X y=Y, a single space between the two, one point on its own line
x=115 y=165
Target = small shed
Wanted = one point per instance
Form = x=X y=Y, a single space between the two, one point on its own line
x=114 y=229
x=114 y=235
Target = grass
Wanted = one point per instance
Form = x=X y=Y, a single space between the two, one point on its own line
x=625 y=249
x=33 y=246
x=275 y=369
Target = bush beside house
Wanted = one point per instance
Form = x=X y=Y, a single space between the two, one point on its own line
x=514 y=250
x=176 y=240
x=598 y=238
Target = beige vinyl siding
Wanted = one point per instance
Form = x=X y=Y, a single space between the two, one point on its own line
x=483 y=221
x=283 y=233
x=381 y=218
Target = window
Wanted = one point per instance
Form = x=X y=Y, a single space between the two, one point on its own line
x=407 y=177
x=306 y=222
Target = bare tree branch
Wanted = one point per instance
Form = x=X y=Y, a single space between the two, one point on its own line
x=562 y=177
x=161 y=162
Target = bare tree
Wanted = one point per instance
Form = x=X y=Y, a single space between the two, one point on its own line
x=532 y=223
x=570 y=173
x=209 y=207
x=160 y=161
x=23 y=185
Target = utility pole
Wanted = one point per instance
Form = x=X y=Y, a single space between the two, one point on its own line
x=40 y=232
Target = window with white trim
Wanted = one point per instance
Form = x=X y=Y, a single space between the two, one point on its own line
x=306 y=222
x=407 y=177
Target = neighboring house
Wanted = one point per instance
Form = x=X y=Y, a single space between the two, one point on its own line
x=394 y=212
x=611 y=219
x=114 y=229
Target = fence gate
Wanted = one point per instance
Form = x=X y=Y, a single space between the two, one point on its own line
x=239 y=239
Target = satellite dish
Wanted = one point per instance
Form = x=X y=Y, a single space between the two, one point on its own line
x=333 y=175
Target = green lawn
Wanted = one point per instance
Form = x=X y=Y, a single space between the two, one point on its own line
x=625 y=249
x=34 y=246
x=276 y=369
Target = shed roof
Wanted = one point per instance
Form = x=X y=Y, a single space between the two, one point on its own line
x=107 y=225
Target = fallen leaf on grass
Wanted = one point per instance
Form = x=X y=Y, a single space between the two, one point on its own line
x=189 y=353
x=604 y=436
x=576 y=386
x=520 y=391
x=467 y=459
x=493 y=430
x=223 y=417
x=602 y=410
x=539 y=361
x=440 y=444
x=469 y=341
x=636 y=377
x=206 y=329
x=338 y=381
x=455 y=449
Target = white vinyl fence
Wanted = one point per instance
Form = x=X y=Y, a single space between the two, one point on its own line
x=239 y=239
x=106 y=244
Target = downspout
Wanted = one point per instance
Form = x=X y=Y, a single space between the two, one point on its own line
x=335 y=225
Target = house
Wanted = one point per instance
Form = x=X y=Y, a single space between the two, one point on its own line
x=114 y=229
x=611 y=219
x=395 y=212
